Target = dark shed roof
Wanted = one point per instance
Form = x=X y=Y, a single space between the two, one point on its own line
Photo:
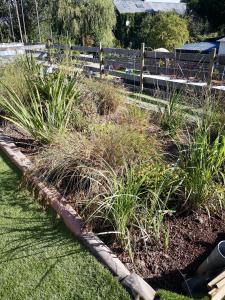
x=200 y=47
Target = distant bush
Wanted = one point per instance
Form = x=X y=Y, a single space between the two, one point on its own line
x=164 y=29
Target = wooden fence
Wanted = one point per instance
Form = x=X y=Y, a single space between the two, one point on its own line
x=135 y=66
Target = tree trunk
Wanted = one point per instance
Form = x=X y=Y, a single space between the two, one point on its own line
x=11 y=21
x=18 y=19
x=24 y=25
x=39 y=31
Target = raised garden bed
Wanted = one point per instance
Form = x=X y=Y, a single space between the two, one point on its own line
x=150 y=185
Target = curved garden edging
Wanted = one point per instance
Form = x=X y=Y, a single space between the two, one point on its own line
x=135 y=285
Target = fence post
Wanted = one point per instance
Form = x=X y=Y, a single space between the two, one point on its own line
x=142 y=57
x=49 y=50
x=100 y=59
x=211 y=68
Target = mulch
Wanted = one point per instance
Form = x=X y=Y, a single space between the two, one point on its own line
x=191 y=239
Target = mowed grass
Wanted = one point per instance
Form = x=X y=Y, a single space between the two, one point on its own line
x=39 y=258
x=167 y=295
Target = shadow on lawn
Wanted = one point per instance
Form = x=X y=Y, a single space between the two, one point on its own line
x=26 y=231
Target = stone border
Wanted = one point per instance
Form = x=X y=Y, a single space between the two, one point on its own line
x=134 y=284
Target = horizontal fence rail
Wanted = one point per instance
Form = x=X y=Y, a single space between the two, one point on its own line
x=138 y=66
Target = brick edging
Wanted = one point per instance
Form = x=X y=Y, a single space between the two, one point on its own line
x=135 y=285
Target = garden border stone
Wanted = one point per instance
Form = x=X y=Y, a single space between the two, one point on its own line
x=134 y=284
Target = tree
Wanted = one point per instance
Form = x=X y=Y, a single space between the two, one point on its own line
x=66 y=16
x=212 y=10
x=98 y=20
x=164 y=29
x=86 y=21
x=19 y=18
x=4 y=21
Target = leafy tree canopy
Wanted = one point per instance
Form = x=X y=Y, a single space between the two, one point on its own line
x=89 y=20
x=212 y=10
x=167 y=30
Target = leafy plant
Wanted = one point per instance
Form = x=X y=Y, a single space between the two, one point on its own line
x=46 y=109
x=202 y=165
x=164 y=29
x=133 y=204
x=119 y=143
x=106 y=96
x=171 y=117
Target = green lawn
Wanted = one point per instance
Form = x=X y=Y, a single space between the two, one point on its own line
x=167 y=295
x=39 y=258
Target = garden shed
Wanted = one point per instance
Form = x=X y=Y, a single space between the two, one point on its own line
x=201 y=47
x=222 y=46
x=221 y=54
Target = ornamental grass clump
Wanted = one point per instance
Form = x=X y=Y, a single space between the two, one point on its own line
x=118 y=143
x=171 y=117
x=134 y=202
x=202 y=165
x=105 y=95
x=127 y=196
x=46 y=109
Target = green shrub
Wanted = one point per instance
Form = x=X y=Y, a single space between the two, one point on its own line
x=106 y=96
x=202 y=164
x=171 y=117
x=133 y=204
x=47 y=108
x=161 y=184
x=119 y=182
x=119 y=143
x=135 y=116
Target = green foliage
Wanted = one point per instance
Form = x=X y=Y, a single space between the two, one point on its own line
x=90 y=22
x=167 y=30
x=129 y=35
x=199 y=29
x=202 y=165
x=47 y=107
x=97 y=21
x=167 y=295
x=171 y=117
x=30 y=18
x=132 y=203
x=66 y=18
x=211 y=10
x=4 y=28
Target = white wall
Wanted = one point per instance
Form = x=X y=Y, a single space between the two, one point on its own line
x=222 y=48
